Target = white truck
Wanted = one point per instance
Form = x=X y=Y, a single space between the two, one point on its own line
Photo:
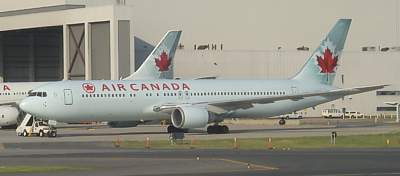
x=293 y=115
x=353 y=114
x=31 y=126
x=332 y=113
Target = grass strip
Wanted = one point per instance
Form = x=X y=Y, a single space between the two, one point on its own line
x=388 y=140
x=39 y=169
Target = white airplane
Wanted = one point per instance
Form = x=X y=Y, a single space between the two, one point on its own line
x=196 y=103
x=12 y=93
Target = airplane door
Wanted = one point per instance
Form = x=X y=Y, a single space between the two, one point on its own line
x=68 y=97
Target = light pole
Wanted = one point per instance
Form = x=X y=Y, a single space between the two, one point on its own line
x=397 y=109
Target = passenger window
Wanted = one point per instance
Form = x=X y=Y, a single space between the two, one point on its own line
x=39 y=94
x=44 y=94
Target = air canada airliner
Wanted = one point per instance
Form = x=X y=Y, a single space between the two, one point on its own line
x=12 y=93
x=197 y=103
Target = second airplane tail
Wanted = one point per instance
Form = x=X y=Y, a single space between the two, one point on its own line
x=322 y=64
x=159 y=64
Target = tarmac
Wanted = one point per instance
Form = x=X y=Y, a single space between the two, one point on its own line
x=208 y=162
x=90 y=147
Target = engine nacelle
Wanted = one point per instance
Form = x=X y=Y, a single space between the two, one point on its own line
x=123 y=124
x=191 y=117
x=8 y=115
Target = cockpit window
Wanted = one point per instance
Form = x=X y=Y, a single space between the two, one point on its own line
x=32 y=94
x=37 y=94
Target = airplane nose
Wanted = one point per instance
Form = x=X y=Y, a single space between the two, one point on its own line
x=26 y=105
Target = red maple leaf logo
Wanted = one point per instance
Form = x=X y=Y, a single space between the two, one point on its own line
x=163 y=63
x=88 y=87
x=328 y=63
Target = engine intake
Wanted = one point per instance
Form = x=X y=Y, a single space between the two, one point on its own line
x=8 y=116
x=191 y=117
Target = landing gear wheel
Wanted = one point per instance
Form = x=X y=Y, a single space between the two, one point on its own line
x=217 y=129
x=282 y=121
x=41 y=134
x=211 y=129
x=53 y=134
x=25 y=134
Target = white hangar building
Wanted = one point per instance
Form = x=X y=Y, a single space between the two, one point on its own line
x=44 y=40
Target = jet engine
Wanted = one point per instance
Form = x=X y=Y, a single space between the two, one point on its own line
x=8 y=116
x=191 y=117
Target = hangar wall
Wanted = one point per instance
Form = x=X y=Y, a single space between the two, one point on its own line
x=78 y=21
x=100 y=42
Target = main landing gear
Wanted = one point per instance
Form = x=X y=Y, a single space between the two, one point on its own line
x=217 y=129
x=172 y=129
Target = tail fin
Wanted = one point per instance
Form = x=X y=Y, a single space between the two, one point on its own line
x=321 y=66
x=159 y=64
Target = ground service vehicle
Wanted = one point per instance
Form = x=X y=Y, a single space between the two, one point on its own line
x=31 y=126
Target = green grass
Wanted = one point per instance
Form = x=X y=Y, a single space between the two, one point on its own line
x=38 y=169
x=355 y=141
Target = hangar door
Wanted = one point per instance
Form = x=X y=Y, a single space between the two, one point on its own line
x=31 y=54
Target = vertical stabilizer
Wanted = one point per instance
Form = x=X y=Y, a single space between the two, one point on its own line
x=321 y=66
x=159 y=64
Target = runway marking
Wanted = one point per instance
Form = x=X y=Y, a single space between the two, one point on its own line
x=251 y=165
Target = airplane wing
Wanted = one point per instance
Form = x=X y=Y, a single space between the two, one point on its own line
x=220 y=107
x=9 y=103
x=248 y=103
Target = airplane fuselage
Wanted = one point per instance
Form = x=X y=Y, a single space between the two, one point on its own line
x=137 y=100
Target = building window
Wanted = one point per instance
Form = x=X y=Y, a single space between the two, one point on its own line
x=379 y=93
x=386 y=108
